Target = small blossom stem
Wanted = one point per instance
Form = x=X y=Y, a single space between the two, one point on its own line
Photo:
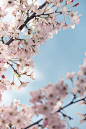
x=13 y=61
x=49 y=8
x=13 y=77
x=18 y=77
x=67 y=17
x=12 y=67
x=34 y=1
x=72 y=83
x=70 y=7
x=2 y=39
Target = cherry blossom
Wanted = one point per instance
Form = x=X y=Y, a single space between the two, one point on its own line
x=8 y=3
x=2 y=69
x=2 y=13
x=70 y=75
x=83 y=116
x=83 y=102
x=64 y=11
x=69 y=2
x=47 y=101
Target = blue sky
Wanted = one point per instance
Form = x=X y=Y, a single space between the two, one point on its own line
x=61 y=54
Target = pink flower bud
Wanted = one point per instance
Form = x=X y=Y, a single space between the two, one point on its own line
x=76 y=5
x=72 y=0
x=3 y=76
x=19 y=42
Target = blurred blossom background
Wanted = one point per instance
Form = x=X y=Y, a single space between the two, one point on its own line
x=61 y=54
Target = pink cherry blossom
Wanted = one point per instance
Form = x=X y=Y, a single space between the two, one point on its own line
x=8 y=3
x=2 y=69
x=70 y=75
x=10 y=112
x=64 y=11
x=83 y=102
x=36 y=96
x=20 y=121
x=82 y=116
x=65 y=26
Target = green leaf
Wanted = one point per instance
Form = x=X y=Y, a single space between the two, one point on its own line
x=68 y=11
x=19 y=75
x=56 y=9
x=20 y=1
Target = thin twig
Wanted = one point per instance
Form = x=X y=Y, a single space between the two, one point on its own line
x=33 y=124
x=12 y=67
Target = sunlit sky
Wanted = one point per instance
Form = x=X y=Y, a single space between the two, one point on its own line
x=61 y=54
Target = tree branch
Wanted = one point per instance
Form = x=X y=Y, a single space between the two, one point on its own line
x=33 y=124
x=70 y=104
x=57 y=111
x=12 y=67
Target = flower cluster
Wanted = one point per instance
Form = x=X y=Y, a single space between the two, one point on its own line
x=37 y=23
x=42 y=23
x=81 y=81
x=9 y=116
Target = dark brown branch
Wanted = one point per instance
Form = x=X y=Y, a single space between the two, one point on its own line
x=12 y=67
x=19 y=39
x=64 y=115
x=33 y=124
x=50 y=13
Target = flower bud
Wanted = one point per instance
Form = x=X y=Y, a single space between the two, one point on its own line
x=76 y=5
x=3 y=76
x=72 y=0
